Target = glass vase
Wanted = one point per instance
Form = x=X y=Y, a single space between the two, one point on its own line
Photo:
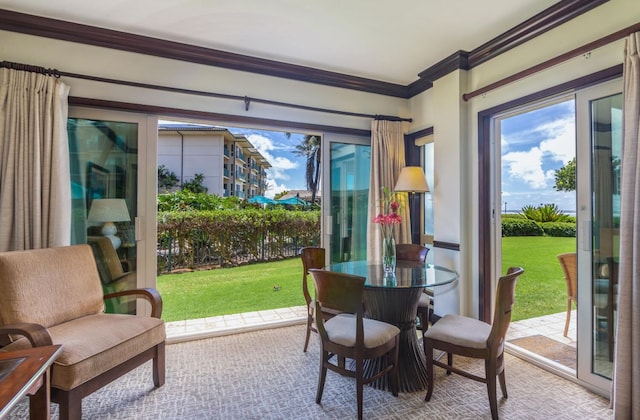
x=388 y=254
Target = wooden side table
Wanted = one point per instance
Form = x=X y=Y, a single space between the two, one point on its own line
x=26 y=372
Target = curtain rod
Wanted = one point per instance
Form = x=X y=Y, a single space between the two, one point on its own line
x=246 y=99
x=585 y=49
x=29 y=68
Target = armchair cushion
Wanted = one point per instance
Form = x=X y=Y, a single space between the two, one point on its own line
x=104 y=340
x=22 y=276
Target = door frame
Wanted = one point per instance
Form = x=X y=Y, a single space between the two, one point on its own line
x=487 y=270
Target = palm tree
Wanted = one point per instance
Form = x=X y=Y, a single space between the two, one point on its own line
x=309 y=147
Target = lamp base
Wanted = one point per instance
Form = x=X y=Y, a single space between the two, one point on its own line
x=109 y=230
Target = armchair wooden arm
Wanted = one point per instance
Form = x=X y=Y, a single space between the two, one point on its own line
x=151 y=295
x=36 y=334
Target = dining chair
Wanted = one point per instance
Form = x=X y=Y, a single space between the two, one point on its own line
x=415 y=253
x=469 y=337
x=312 y=257
x=570 y=270
x=349 y=335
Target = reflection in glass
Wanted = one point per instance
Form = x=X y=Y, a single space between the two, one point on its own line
x=350 y=167
x=606 y=129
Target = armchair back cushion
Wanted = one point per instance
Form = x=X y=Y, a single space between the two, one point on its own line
x=73 y=287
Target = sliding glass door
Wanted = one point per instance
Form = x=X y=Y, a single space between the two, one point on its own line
x=113 y=187
x=345 y=197
x=599 y=134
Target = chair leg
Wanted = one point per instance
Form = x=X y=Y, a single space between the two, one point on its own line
x=306 y=340
x=70 y=405
x=490 y=372
x=359 y=386
x=428 y=353
x=322 y=376
x=159 y=366
x=395 y=385
x=449 y=362
x=568 y=319
x=503 y=384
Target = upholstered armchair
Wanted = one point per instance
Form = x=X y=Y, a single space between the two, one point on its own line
x=54 y=296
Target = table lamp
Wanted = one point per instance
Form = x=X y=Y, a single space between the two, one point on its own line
x=411 y=180
x=107 y=211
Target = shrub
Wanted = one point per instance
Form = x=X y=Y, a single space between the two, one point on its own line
x=544 y=213
x=521 y=227
x=559 y=229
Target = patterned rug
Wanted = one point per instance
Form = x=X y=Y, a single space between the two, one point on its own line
x=265 y=375
x=548 y=348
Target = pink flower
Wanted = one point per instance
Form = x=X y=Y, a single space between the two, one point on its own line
x=389 y=216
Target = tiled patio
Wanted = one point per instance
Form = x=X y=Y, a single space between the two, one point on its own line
x=551 y=325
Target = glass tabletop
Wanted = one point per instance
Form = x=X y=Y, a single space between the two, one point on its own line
x=406 y=275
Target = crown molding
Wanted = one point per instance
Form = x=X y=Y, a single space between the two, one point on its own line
x=544 y=21
x=91 y=35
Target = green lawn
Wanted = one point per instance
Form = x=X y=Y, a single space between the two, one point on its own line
x=247 y=288
x=540 y=290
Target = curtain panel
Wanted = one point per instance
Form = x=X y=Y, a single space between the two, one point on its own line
x=387 y=160
x=626 y=381
x=35 y=188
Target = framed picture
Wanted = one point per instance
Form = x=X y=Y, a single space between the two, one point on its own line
x=97 y=182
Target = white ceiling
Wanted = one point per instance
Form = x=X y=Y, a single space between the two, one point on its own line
x=385 y=40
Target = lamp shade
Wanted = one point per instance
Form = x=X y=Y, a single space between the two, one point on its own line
x=108 y=210
x=412 y=179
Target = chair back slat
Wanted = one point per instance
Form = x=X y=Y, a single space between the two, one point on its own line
x=505 y=298
x=312 y=257
x=570 y=269
x=338 y=292
x=411 y=253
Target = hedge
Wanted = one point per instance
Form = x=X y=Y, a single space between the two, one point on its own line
x=231 y=237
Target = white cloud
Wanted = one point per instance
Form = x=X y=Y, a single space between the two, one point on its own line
x=273 y=188
x=279 y=164
x=559 y=139
x=557 y=142
x=526 y=165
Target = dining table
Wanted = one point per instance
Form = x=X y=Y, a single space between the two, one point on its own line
x=393 y=297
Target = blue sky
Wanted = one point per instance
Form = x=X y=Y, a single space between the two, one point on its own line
x=534 y=145
x=288 y=169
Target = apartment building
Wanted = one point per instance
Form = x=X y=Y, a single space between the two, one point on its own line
x=230 y=164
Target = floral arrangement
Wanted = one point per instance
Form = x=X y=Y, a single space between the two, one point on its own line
x=390 y=215
x=386 y=220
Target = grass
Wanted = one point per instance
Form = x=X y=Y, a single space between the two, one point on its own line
x=247 y=288
x=540 y=290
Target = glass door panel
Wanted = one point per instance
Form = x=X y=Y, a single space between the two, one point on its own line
x=348 y=197
x=104 y=179
x=599 y=128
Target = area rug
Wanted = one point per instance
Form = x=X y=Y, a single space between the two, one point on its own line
x=548 y=348
x=265 y=375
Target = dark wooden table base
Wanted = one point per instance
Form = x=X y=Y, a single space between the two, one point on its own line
x=398 y=306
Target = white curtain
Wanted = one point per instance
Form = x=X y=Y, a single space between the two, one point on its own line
x=35 y=188
x=387 y=160
x=626 y=381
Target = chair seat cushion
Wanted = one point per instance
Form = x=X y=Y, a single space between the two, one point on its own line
x=460 y=330
x=341 y=329
x=94 y=344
